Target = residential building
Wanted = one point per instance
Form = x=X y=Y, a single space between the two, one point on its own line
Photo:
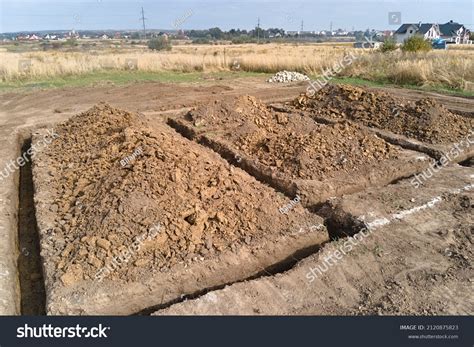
x=428 y=31
x=454 y=32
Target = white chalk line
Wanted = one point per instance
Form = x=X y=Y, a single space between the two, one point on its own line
x=405 y=213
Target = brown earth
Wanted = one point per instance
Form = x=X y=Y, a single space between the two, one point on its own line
x=425 y=119
x=170 y=197
x=216 y=224
x=293 y=144
x=31 y=109
x=418 y=262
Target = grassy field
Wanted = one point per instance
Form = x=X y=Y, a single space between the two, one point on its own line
x=451 y=70
x=120 y=77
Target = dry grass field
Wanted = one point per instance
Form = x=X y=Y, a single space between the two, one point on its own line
x=453 y=68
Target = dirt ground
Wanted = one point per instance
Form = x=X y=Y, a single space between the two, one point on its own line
x=294 y=154
x=295 y=145
x=417 y=262
x=83 y=243
x=137 y=201
x=425 y=120
x=34 y=107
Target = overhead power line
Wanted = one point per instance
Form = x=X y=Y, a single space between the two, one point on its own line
x=143 y=21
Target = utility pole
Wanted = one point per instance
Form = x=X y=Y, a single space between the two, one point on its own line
x=302 y=26
x=330 y=27
x=143 y=21
x=258 y=30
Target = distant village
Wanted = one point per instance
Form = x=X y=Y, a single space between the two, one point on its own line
x=186 y=34
x=65 y=35
x=451 y=31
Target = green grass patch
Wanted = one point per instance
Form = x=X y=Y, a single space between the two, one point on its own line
x=121 y=78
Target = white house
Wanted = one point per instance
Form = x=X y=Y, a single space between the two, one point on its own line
x=455 y=32
x=429 y=31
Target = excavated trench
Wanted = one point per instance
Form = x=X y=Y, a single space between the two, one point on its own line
x=32 y=285
x=280 y=267
x=33 y=297
x=339 y=224
x=468 y=162
x=31 y=280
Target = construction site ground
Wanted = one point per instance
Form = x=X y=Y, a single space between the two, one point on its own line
x=256 y=220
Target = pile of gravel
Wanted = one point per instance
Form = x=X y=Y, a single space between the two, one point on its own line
x=288 y=76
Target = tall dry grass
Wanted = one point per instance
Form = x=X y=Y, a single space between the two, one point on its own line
x=189 y=58
x=448 y=68
x=451 y=68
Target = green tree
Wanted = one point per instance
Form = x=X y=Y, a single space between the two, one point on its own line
x=159 y=44
x=416 y=44
x=388 y=45
x=216 y=33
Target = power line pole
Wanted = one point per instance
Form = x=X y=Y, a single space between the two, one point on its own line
x=258 y=30
x=143 y=21
x=302 y=26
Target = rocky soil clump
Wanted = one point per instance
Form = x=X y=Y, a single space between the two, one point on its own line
x=424 y=120
x=292 y=143
x=170 y=202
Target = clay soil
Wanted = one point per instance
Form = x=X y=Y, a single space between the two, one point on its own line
x=293 y=153
x=420 y=263
x=178 y=201
x=424 y=119
x=90 y=208
x=292 y=144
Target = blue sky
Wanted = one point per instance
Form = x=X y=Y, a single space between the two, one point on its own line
x=17 y=15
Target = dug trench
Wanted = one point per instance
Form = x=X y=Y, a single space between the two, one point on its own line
x=285 y=250
x=32 y=287
x=278 y=254
x=414 y=258
x=219 y=225
x=32 y=291
x=339 y=226
x=294 y=154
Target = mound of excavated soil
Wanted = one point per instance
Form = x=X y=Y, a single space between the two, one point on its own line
x=294 y=144
x=227 y=112
x=117 y=186
x=424 y=120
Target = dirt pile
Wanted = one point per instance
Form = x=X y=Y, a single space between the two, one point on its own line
x=227 y=112
x=425 y=120
x=294 y=144
x=121 y=187
x=321 y=153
